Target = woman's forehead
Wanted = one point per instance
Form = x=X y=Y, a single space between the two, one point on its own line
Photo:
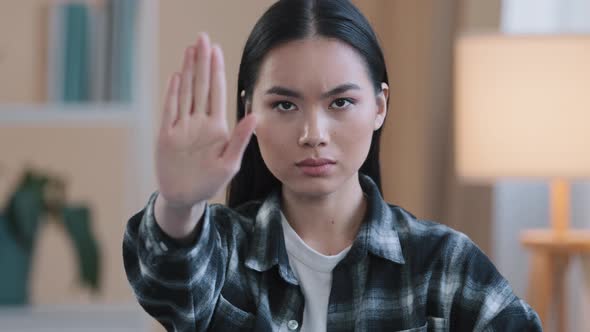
x=314 y=63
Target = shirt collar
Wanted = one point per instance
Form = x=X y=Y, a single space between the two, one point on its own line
x=377 y=234
x=267 y=246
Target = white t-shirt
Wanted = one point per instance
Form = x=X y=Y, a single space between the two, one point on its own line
x=314 y=272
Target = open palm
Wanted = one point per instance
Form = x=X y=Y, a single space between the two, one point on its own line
x=196 y=155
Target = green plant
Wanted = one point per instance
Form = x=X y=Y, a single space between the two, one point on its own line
x=38 y=196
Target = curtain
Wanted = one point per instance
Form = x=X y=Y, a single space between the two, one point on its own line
x=417 y=145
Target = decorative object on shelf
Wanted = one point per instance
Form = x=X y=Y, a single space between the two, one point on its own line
x=90 y=50
x=37 y=197
x=522 y=111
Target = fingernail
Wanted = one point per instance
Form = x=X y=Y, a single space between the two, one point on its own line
x=200 y=39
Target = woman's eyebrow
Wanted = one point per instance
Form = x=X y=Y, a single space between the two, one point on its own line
x=279 y=90
x=282 y=91
x=340 y=89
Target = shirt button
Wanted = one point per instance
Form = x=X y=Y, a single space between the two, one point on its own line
x=163 y=246
x=292 y=325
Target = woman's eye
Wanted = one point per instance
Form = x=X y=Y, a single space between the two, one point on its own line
x=341 y=103
x=284 y=106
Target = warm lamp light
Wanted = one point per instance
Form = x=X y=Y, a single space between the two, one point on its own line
x=523 y=111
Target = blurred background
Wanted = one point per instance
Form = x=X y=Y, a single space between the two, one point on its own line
x=81 y=84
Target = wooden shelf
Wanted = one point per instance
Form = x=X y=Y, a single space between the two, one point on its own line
x=78 y=115
x=82 y=318
x=571 y=242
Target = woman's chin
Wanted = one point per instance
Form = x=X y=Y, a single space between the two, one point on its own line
x=312 y=186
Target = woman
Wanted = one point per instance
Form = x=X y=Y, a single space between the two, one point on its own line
x=306 y=241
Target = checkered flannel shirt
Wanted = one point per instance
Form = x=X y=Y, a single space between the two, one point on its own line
x=401 y=274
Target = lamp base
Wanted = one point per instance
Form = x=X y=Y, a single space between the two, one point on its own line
x=551 y=252
x=559 y=205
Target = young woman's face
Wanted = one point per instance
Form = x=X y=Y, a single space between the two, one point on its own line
x=317 y=111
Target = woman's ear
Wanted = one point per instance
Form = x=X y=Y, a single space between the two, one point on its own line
x=244 y=101
x=381 y=105
x=247 y=105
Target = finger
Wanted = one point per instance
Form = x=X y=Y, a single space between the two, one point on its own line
x=234 y=150
x=202 y=69
x=170 y=115
x=186 y=84
x=217 y=90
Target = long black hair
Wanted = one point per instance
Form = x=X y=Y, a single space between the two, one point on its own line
x=288 y=20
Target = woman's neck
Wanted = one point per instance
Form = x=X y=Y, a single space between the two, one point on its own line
x=327 y=223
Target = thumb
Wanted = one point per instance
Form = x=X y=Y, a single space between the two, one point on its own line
x=239 y=140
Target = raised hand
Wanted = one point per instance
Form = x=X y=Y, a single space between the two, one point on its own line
x=195 y=155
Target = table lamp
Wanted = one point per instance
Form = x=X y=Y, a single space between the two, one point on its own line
x=522 y=110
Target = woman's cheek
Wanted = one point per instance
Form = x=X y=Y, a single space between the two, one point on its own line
x=273 y=146
x=358 y=137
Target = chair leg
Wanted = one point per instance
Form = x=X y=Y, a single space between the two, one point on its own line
x=560 y=268
x=541 y=281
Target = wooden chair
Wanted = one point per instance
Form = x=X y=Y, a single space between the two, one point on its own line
x=551 y=251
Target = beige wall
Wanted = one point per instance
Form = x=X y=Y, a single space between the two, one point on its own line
x=22 y=38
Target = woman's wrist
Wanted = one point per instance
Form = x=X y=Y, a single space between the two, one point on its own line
x=178 y=222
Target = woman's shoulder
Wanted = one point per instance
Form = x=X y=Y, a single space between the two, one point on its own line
x=456 y=265
x=410 y=225
x=430 y=238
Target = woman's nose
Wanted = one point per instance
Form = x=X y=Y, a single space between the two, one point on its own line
x=314 y=132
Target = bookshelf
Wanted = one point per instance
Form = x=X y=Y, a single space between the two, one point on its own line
x=135 y=116
x=68 y=115
x=36 y=131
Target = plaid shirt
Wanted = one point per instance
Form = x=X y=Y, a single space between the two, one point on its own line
x=401 y=274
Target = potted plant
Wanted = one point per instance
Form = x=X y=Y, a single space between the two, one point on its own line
x=36 y=197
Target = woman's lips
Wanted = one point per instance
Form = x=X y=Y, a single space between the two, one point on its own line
x=316 y=167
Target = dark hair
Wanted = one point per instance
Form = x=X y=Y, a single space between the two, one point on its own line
x=285 y=21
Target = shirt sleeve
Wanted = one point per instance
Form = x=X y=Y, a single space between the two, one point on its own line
x=176 y=284
x=483 y=299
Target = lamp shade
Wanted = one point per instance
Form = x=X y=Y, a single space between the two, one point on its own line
x=522 y=106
